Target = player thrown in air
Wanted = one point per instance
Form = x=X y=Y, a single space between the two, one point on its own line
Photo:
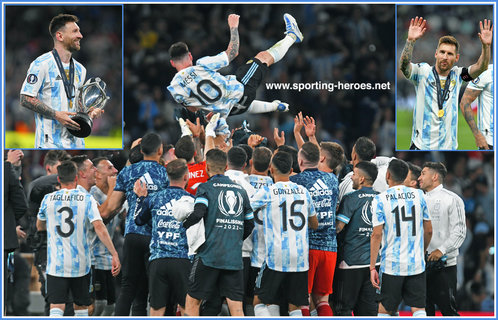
x=201 y=86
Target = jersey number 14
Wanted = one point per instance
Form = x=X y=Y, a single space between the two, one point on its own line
x=406 y=218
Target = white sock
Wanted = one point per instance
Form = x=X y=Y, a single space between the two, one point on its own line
x=99 y=307
x=274 y=310
x=420 y=313
x=296 y=313
x=108 y=310
x=314 y=313
x=258 y=106
x=81 y=313
x=56 y=312
x=279 y=49
x=383 y=315
x=260 y=310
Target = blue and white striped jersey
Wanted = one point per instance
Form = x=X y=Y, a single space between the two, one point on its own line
x=286 y=207
x=485 y=105
x=431 y=132
x=68 y=213
x=169 y=237
x=401 y=210
x=203 y=87
x=153 y=175
x=101 y=257
x=258 y=236
x=324 y=189
x=44 y=82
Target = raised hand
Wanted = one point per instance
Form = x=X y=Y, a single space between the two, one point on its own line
x=279 y=139
x=298 y=122
x=309 y=126
x=233 y=20
x=486 y=34
x=417 y=28
x=140 y=188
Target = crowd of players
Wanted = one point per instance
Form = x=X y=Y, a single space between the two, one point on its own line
x=301 y=187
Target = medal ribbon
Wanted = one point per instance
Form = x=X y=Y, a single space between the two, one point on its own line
x=68 y=84
x=441 y=95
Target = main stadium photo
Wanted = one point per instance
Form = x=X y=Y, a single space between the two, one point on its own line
x=269 y=160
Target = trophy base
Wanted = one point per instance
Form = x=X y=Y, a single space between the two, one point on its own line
x=85 y=123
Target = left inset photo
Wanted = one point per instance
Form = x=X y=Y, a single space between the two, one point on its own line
x=63 y=77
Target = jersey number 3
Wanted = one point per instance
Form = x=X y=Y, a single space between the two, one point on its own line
x=67 y=221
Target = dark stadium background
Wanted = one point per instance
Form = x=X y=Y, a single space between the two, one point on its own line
x=27 y=37
x=347 y=43
x=460 y=21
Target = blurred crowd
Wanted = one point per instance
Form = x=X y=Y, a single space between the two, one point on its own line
x=347 y=43
x=462 y=22
x=27 y=37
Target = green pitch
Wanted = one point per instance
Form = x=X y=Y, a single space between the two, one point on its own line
x=17 y=140
x=404 y=132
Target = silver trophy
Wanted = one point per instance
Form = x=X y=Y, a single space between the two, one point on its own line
x=91 y=96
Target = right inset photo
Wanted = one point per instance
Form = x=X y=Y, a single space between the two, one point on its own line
x=444 y=89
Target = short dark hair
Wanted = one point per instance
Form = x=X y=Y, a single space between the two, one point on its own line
x=261 y=159
x=364 y=148
x=217 y=159
x=449 y=40
x=439 y=168
x=236 y=158
x=398 y=170
x=310 y=152
x=248 y=151
x=79 y=161
x=178 y=50
x=176 y=169
x=54 y=156
x=293 y=153
x=67 y=171
x=333 y=152
x=415 y=170
x=150 y=143
x=59 y=21
x=97 y=160
x=282 y=161
x=185 y=148
x=135 y=154
x=369 y=170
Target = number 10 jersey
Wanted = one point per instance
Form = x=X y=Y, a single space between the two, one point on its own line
x=401 y=210
x=286 y=207
x=203 y=87
x=68 y=213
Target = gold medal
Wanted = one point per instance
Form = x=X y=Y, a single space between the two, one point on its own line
x=440 y=113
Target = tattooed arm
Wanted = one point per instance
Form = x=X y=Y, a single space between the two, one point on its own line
x=233 y=47
x=415 y=31
x=37 y=106
x=469 y=96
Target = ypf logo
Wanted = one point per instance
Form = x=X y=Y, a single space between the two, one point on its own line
x=230 y=204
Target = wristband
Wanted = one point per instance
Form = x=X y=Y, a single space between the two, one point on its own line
x=373 y=269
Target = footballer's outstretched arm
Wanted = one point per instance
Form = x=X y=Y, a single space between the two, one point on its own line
x=415 y=31
x=233 y=47
x=37 y=106
x=469 y=96
x=486 y=37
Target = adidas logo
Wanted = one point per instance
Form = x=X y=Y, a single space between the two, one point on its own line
x=320 y=189
x=147 y=179
x=58 y=77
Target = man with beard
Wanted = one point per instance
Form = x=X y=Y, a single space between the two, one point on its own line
x=435 y=115
x=51 y=84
